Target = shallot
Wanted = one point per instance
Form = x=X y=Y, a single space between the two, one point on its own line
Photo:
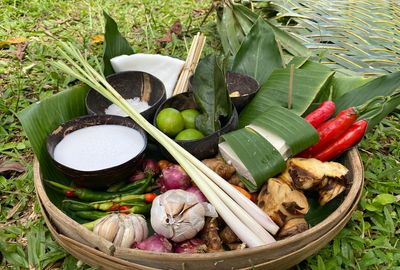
x=193 y=245
x=150 y=166
x=196 y=191
x=157 y=243
x=174 y=177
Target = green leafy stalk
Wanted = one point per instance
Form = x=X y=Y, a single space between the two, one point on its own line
x=211 y=95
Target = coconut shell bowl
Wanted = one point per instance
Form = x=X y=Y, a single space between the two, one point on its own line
x=101 y=177
x=130 y=84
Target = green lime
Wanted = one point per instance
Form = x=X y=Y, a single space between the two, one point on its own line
x=189 y=134
x=189 y=116
x=170 y=121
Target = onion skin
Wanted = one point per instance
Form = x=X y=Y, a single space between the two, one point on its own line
x=193 y=245
x=173 y=177
x=157 y=243
x=196 y=191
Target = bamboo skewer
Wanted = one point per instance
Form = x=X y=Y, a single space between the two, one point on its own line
x=290 y=92
x=190 y=64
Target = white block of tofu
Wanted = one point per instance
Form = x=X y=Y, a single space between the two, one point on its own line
x=230 y=157
x=165 y=68
x=273 y=139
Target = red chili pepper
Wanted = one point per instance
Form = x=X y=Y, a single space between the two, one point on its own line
x=330 y=130
x=149 y=197
x=114 y=207
x=321 y=114
x=70 y=193
x=123 y=209
x=352 y=136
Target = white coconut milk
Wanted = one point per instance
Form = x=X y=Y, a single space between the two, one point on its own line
x=98 y=147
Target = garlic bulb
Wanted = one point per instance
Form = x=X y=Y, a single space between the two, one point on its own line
x=178 y=215
x=121 y=229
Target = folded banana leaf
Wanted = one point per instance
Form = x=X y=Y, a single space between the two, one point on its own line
x=256 y=150
x=253 y=156
x=297 y=133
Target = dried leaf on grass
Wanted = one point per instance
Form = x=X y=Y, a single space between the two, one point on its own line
x=6 y=167
x=176 y=29
x=14 y=40
x=97 y=39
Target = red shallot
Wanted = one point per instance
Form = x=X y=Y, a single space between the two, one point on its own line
x=174 y=177
x=157 y=243
x=193 y=245
x=196 y=191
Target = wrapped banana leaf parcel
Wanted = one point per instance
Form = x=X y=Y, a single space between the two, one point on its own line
x=259 y=150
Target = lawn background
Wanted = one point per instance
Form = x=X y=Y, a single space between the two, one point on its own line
x=28 y=30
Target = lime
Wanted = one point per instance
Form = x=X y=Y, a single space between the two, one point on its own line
x=189 y=116
x=170 y=121
x=189 y=134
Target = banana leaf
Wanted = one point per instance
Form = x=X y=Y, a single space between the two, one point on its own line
x=211 y=94
x=114 y=45
x=41 y=118
x=293 y=129
x=381 y=86
x=234 y=22
x=258 y=55
x=260 y=159
x=343 y=84
x=307 y=83
x=298 y=61
x=288 y=42
x=318 y=213
x=229 y=30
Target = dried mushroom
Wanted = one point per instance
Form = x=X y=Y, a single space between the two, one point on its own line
x=310 y=173
x=330 y=191
x=281 y=202
x=292 y=227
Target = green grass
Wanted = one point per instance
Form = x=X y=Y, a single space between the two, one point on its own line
x=369 y=241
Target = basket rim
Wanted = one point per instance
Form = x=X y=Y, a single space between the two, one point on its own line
x=351 y=199
x=60 y=238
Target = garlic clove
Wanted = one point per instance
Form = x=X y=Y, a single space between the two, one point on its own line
x=145 y=228
x=129 y=233
x=121 y=231
x=108 y=228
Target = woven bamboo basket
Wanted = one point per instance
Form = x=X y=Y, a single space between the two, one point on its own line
x=282 y=254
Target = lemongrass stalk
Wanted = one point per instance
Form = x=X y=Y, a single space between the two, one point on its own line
x=171 y=146
x=256 y=212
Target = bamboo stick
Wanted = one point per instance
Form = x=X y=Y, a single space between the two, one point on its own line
x=190 y=64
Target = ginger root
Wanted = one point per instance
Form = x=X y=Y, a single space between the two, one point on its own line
x=210 y=235
x=219 y=166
